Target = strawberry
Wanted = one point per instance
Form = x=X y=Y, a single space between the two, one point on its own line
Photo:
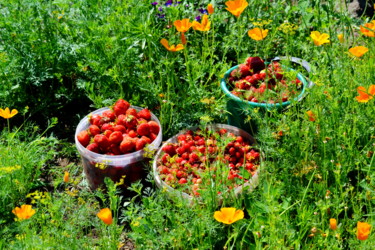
x=170 y=149
x=127 y=145
x=107 y=133
x=147 y=139
x=143 y=129
x=120 y=128
x=132 y=133
x=132 y=111
x=145 y=114
x=94 y=130
x=84 y=138
x=115 y=137
x=94 y=147
x=96 y=119
x=120 y=107
x=256 y=64
x=115 y=149
x=109 y=114
x=244 y=70
x=153 y=136
x=130 y=121
x=102 y=141
x=154 y=127
x=182 y=181
x=140 y=144
x=107 y=126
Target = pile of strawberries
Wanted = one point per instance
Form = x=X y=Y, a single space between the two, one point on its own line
x=119 y=130
x=255 y=82
x=200 y=156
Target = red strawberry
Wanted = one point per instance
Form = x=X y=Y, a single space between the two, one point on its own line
x=84 y=138
x=235 y=74
x=127 y=146
x=244 y=70
x=154 y=127
x=140 y=144
x=169 y=149
x=256 y=64
x=107 y=126
x=143 y=129
x=94 y=130
x=153 y=136
x=96 y=119
x=94 y=147
x=102 y=141
x=120 y=107
x=132 y=111
x=130 y=121
x=182 y=181
x=120 y=128
x=107 y=133
x=109 y=114
x=145 y=114
x=147 y=139
x=115 y=137
x=132 y=133
x=115 y=149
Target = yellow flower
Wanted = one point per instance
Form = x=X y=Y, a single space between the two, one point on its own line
x=363 y=230
x=257 y=33
x=172 y=48
x=210 y=8
x=182 y=25
x=368 y=29
x=24 y=212
x=6 y=114
x=340 y=37
x=358 y=51
x=228 y=215
x=236 y=7
x=333 y=224
x=66 y=177
x=105 y=215
x=204 y=25
x=311 y=115
x=364 y=95
x=318 y=38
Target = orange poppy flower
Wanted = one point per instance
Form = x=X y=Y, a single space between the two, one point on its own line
x=205 y=25
x=368 y=29
x=210 y=8
x=182 y=25
x=363 y=230
x=24 y=212
x=236 y=7
x=311 y=115
x=228 y=215
x=6 y=114
x=365 y=95
x=257 y=33
x=105 y=215
x=358 y=51
x=333 y=224
x=66 y=177
x=340 y=37
x=172 y=48
x=319 y=38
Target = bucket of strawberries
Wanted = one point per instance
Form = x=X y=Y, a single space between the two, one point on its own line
x=257 y=84
x=219 y=159
x=116 y=142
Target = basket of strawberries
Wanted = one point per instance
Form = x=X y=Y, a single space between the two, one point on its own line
x=258 y=84
x=114 y=141
x=198 y=162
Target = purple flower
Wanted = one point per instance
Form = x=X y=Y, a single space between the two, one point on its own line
x=203 y=11
x=160 y=9
x=154 y=3
x=169 y=2
x=198 y=18
x=160 y=15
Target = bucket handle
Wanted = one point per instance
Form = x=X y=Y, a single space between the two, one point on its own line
x=299 y=61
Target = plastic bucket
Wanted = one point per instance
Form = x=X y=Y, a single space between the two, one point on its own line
x=172 y=192
x=239 y=110
x=98 y=166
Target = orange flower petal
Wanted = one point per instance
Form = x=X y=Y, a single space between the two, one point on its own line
x=358 y=51
x=333 y=224
x=363 y=230
x=105 y=215
x=228 y=215
x=23 y=212
x=236 y=7
x=210 y=9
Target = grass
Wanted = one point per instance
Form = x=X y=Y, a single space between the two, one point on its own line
x=61 y=60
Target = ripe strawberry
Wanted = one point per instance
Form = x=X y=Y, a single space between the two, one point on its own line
x=170 y=149
x=102 y=141
x=244 y=70
x=147 y=139
x=120 y=128
x=115 y=137
x=140 y=144
x=143 y=129
x=93 y=147
x=154 y=127
x=115 y=149
x=84 y=138
x=107 y=133
x=127 y=146
x=96 y=119
x=107 y=126
x=145 y=114
x=109 y=114
x=182 y=181
x=153 y=136
x=132 y=133
x=120 y=107
x=132 y=111
x=256 y=64
x=252 y=80
x=235 y=74
x=94 y=130
x=130 y=121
